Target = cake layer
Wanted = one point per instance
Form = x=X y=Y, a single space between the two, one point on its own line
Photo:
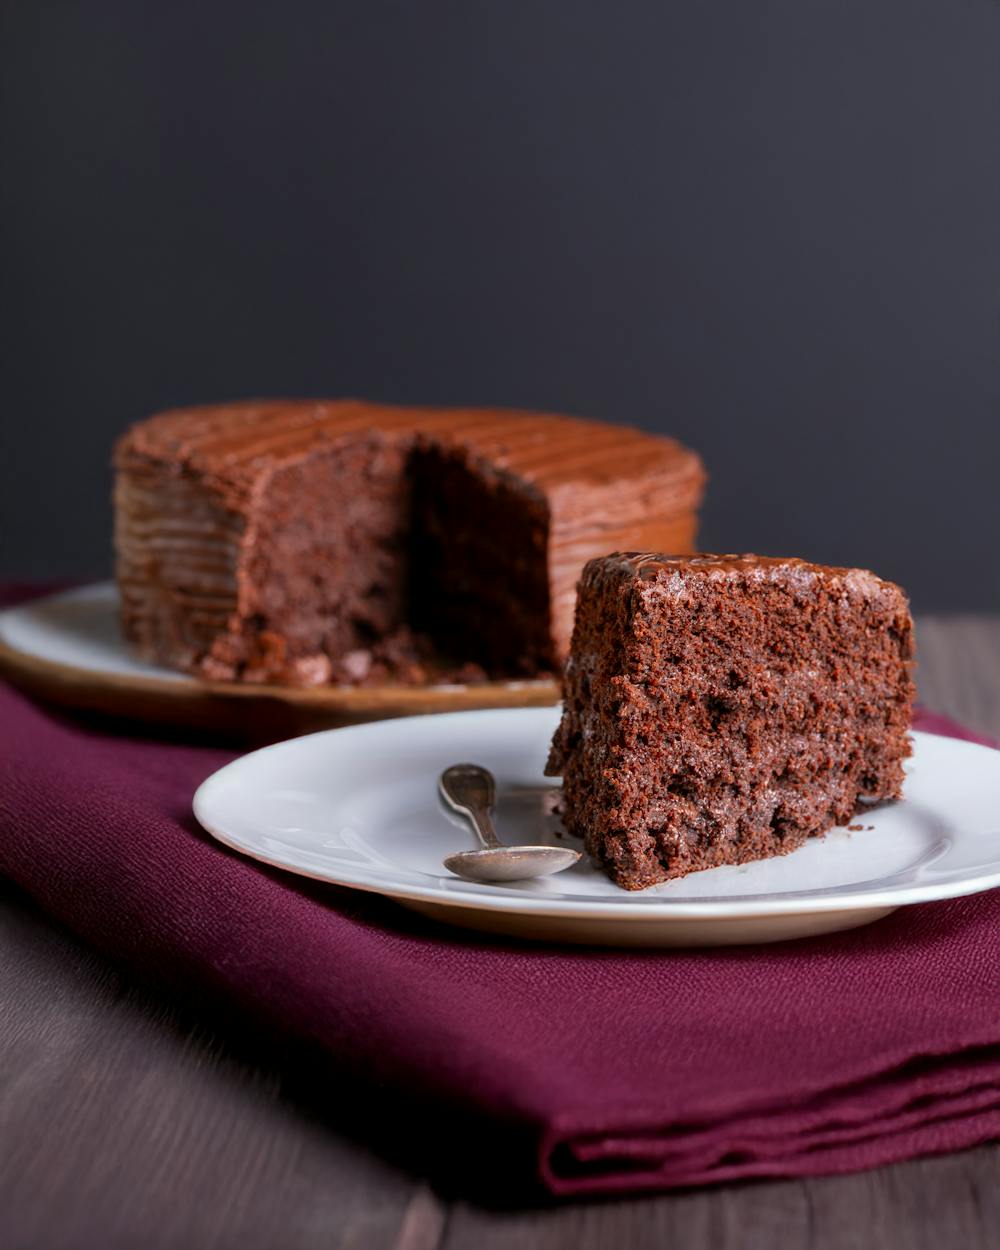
x=243 y=531
x=720 y=709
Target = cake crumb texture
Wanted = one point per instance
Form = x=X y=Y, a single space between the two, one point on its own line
x=724 y=708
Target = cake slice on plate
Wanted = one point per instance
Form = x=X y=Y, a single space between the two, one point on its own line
x=724 y=708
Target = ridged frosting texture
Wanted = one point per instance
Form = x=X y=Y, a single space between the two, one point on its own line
x=233 y=444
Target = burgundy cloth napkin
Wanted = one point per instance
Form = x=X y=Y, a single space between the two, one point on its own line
x=611 y=1071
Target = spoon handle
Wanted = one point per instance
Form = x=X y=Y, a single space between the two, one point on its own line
x=470 y=790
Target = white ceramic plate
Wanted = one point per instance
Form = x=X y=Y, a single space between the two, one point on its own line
x=359 y=807
x=79 y=629
x=68 y=648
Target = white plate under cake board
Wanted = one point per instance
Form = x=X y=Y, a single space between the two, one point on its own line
x=68 y=649
x=359 y=807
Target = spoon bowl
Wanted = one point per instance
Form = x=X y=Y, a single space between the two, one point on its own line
x=510 y=863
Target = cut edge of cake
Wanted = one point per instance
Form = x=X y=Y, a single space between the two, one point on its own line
x=229 y=563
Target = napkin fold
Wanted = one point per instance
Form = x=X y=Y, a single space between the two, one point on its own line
x=609 y=1071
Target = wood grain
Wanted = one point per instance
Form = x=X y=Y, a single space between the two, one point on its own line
x=127 y=1122
x=933 y=1203
x=958 y=669
x=124 y=1124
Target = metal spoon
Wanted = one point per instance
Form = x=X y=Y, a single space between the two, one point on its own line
x=471 y=791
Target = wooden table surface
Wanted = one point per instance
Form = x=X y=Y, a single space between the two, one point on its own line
x=127 y=1121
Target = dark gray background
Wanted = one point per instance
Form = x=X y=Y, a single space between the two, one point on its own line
x=772 y=229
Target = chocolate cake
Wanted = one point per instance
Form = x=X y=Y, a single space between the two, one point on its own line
x=724 y=708
x=309 y=542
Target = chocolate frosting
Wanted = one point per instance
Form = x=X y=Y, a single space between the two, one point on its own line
x=233 y=445
x=675 y=571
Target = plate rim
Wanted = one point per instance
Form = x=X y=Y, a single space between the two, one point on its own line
x=630 y=907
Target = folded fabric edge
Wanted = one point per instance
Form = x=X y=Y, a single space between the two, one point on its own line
x=787 y=1142
x=960 y=1132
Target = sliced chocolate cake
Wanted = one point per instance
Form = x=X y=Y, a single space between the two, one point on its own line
x=310 y=542
x=720 y=709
